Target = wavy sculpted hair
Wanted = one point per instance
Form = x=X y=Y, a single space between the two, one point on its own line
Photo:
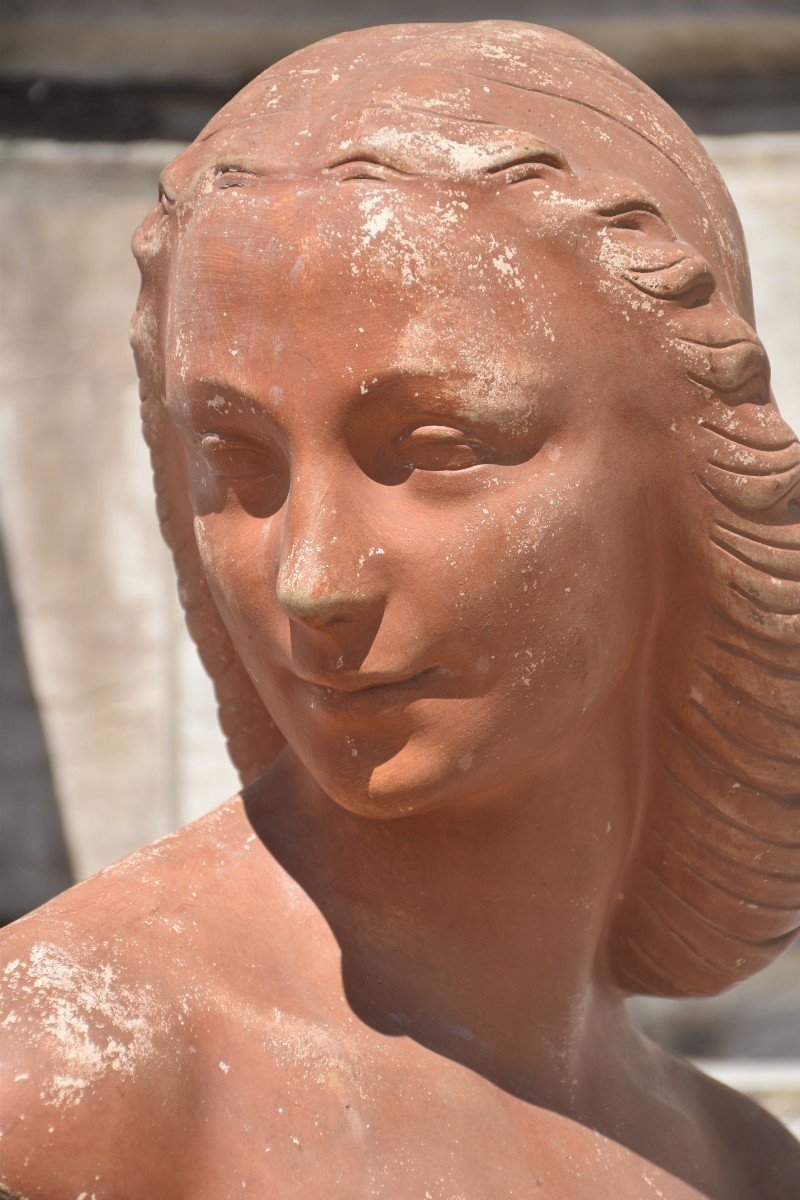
x=711 y=889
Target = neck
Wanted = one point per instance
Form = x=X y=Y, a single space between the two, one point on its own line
x=477 y=932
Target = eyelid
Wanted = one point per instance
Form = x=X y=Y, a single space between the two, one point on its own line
x=234 y=440
x=434 y=428
x=227 y=175
x=627 y=214
x=526 y=167
x=364 y=166
x=630 y=220
x=439 y=433
x=441 y=440
x=212 y=440
x=632 y=204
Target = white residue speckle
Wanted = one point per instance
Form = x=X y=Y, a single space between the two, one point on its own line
x=85 y=1020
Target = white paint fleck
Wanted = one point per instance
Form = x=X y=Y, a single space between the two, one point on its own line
x=88 y=1022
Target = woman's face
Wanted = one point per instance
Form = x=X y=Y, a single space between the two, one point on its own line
x=411 y=473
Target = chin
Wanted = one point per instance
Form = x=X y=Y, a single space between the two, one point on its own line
x=416 y=778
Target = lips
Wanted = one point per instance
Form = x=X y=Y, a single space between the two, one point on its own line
x=367 y=691
x=357 y=681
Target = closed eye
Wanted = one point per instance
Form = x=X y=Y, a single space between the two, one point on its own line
x=440 y=448
x=535 y=165
x=235 y=458
x=364 y=167
x=635 y=213
x=234 y=176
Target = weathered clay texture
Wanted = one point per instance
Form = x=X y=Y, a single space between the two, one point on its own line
x=485 y=524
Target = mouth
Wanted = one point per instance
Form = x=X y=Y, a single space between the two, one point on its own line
x=365 y=691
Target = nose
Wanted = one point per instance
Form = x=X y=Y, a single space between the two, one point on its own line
x=326 y=575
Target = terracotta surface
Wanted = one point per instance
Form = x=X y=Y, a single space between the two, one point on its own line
x=486 y=529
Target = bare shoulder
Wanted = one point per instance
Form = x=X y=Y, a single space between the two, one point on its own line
x=123 y=918
x=96 y=1016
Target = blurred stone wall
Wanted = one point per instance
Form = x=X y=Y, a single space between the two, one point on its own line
x=109 y=734
x=125 y=713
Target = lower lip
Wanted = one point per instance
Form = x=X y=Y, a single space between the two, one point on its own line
x=377 y=699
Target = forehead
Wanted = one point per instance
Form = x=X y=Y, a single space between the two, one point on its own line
x=418 y=269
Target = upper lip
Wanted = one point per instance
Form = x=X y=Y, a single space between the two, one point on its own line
x=361 y=681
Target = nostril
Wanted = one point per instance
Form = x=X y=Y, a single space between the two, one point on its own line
x=314 y=606
x=325 y=620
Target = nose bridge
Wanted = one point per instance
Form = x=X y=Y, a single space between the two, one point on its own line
x=320 y=569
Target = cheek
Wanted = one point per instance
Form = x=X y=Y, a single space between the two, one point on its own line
x=569 y=593
x=230 y=546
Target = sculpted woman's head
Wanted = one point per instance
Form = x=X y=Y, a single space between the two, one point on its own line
x=463 y=438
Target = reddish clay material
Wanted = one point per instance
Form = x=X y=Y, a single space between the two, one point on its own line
x=486 y=527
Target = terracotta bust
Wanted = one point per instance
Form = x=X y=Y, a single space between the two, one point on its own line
x=486 y=527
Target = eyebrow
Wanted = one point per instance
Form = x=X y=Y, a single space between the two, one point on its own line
x=409 y=372
x=197 y=395
x=408 y=375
